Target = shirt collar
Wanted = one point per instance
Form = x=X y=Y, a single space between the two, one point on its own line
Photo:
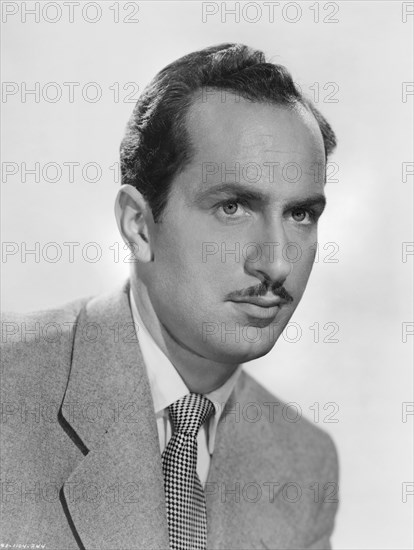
x=166 y=384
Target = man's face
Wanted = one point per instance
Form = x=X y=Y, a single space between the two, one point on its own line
x=236 y=244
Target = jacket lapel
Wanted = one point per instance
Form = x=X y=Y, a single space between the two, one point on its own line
x=115 y=496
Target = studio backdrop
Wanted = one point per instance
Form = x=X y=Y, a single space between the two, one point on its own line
x=71 y=74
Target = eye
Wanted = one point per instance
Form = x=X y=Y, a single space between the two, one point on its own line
x=303 y=216
x=230 y=208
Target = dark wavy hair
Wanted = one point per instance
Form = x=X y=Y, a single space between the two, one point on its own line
x=156 y=145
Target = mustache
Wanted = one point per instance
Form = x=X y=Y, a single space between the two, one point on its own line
x=262 y=290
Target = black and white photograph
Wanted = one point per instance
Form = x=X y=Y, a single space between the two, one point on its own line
x=207 y=275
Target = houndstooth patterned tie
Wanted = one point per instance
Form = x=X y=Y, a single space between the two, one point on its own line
x=186 y=505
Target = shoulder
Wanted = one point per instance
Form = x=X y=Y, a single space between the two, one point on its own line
x=302 y=440
x=36 y=349
x=297 y=454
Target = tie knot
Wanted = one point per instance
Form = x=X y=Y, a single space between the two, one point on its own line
x=190 y=412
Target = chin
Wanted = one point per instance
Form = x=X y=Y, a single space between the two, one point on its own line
x=241 y=352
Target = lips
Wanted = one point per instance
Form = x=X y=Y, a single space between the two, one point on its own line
x=257 y=310
x=261 y=301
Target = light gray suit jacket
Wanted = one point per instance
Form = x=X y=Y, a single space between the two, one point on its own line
x=81 y=464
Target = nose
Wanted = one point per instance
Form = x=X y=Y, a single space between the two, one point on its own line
x=267 y=259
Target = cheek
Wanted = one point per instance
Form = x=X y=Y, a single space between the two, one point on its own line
x=189 y=264
x=303 y=267
x=199 y=246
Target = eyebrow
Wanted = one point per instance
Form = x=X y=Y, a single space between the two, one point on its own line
x=241 y=193
x=313 y=200
x=232 y=189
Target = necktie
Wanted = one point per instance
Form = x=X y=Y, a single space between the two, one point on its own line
x=185 y=500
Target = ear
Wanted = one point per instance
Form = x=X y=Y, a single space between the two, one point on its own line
x=133 y=217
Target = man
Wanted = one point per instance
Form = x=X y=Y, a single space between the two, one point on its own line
x=113 y=441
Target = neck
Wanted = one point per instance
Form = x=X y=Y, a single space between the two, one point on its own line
x=201 y=375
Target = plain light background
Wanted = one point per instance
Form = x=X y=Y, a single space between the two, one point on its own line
x=367 y=292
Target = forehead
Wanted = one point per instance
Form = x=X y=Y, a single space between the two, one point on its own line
x=226 y=128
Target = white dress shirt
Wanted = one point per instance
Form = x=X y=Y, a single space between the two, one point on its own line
x=167 y=386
